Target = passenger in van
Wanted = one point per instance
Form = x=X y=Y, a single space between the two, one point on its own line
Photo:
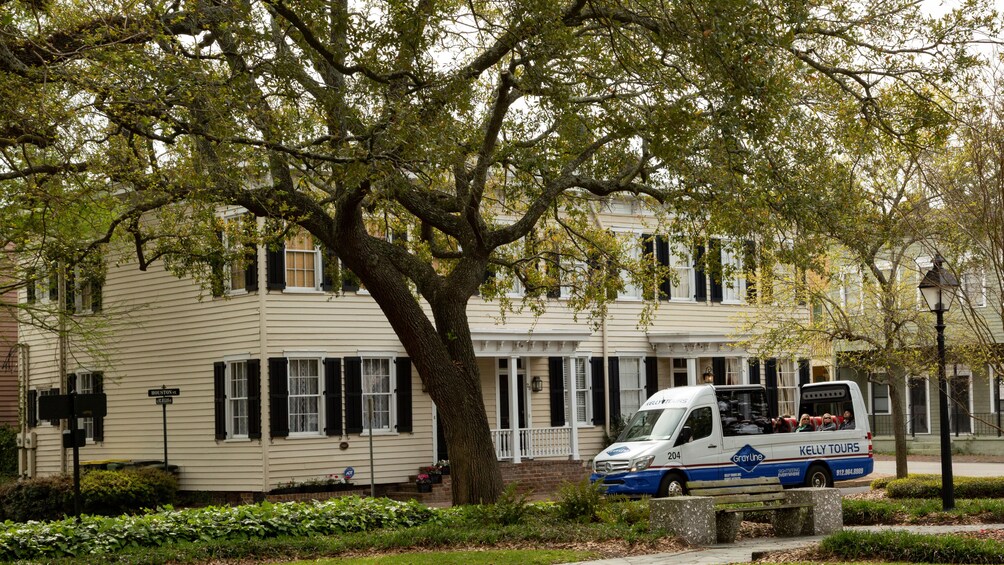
x=848 y=423
x=782 y=426
x=805 y=424
x=828 y=424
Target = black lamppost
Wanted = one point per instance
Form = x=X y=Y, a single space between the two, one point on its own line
x=938 y=288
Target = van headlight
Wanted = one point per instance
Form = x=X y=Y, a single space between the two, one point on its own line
x=641 y=463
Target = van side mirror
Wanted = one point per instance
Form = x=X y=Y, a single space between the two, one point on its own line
x=685 y=434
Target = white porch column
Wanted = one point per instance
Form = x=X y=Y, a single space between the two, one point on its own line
x=744 y=369
x=514 y=393
x=692 y=371
x=572 y=408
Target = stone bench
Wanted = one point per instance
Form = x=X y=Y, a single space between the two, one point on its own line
x=712 y=510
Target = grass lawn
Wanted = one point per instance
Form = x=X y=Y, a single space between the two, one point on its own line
x=484 y=557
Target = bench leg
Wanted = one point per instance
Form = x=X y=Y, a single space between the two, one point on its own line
x=788 y=522
x=727 y=524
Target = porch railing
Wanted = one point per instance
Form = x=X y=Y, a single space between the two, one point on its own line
x=534 y=442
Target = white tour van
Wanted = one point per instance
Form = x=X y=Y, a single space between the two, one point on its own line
x=711 y=432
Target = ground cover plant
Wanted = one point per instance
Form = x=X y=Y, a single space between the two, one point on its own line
x=908 y=547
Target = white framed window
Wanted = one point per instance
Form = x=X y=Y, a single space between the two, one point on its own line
x=680 y=372
x=303 y=262
x=682 y=262
x=583 y=396
x=378 y=385
x=733 y=371
x=787 y=385
x=86 y=385
x=879 y=394
x=630 y=290
x=304 y=379
x=974 y=287
x=632 y=381
x=237 y=399
x=733 y=277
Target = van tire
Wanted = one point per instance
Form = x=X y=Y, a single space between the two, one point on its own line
x=673 y=484
x=818 y=476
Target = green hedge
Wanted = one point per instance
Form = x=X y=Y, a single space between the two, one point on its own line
x=929 y=486
x=127 y=490
x=47 y=498
x=102 y=535
x=900 y=546
x=8 y=451
x=857 y=512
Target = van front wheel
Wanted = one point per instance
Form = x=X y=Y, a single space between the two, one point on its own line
x=671 y=485
x=818 y=476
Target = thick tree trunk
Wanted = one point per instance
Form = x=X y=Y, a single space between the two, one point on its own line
x=896 y=395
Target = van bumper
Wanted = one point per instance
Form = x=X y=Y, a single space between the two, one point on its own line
x=642 y=482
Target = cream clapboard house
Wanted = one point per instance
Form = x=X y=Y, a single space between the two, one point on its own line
x=275 y=376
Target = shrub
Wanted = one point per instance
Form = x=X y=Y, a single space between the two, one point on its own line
x=859 y=512
x=115 y=492
x=8 y=451
x=580 y=501
x=511 y=507
x=47 y=498
x=163 y=483
x=900 y=546
x=929 y=486
x=624 y=511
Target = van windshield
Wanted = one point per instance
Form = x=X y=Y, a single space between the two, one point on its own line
x=649 y=425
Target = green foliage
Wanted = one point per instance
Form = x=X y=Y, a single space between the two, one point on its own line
x=900 y=546
x=929 y=486
x=580 y=501
x=859 y=512
x=47 y=498
x=8 y=451
x=512 y=507
x=616 y=427
x=101 y=535
x=624 y=511
x=127 y=490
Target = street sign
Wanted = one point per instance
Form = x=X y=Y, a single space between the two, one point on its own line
x=157 y=392
x=57 y=406
x=80 y=435
x=349 y=472
x=54 y=406
x=164 y=400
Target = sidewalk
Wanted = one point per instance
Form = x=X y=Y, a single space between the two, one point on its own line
x=743 y=551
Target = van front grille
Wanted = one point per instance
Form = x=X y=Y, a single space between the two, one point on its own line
x=607 y=467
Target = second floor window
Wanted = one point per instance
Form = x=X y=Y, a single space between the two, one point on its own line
x=303 y=262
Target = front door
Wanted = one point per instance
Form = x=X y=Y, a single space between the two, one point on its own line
x=919 y=423
x=959 y=406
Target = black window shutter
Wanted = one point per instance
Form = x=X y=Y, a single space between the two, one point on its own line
x=350 y=282
x=556 y=378
x=614 y=371
x=30 y=286
x=53 y=286
x=329 y=270
x=597 y=377
x=99 y=422
x=648 y=253
x=754 y=371
x=700 y=275
x=220 y=398
x=770 y=380
x=553 y=266
x=254 y=398
x=804 y=372
x=662 y=255
x=651 y=376
x=715 y=258
x=70 y=294
x=333 y=396
x=251 y=270
x=404 y=414
x=353 y=395
x=50 y=392
x=218 y=268
x=278 y=394
x=71 y=383
x=749 y=265
x=718 y=370
x=97 y=287
x=275 y=267
x=503 y=402
x=32 y=408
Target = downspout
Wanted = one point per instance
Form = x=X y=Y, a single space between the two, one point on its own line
x=604 y=345
x=62 y=339
x=263 y=364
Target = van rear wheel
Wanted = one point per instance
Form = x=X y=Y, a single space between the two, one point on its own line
x=671 y=485
x=818 y=476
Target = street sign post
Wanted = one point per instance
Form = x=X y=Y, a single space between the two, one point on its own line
x=164 y=396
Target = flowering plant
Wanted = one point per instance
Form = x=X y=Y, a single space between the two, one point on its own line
x=430 y=469
x=423 y=479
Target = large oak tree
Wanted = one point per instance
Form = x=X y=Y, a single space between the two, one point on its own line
x=486 y=130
